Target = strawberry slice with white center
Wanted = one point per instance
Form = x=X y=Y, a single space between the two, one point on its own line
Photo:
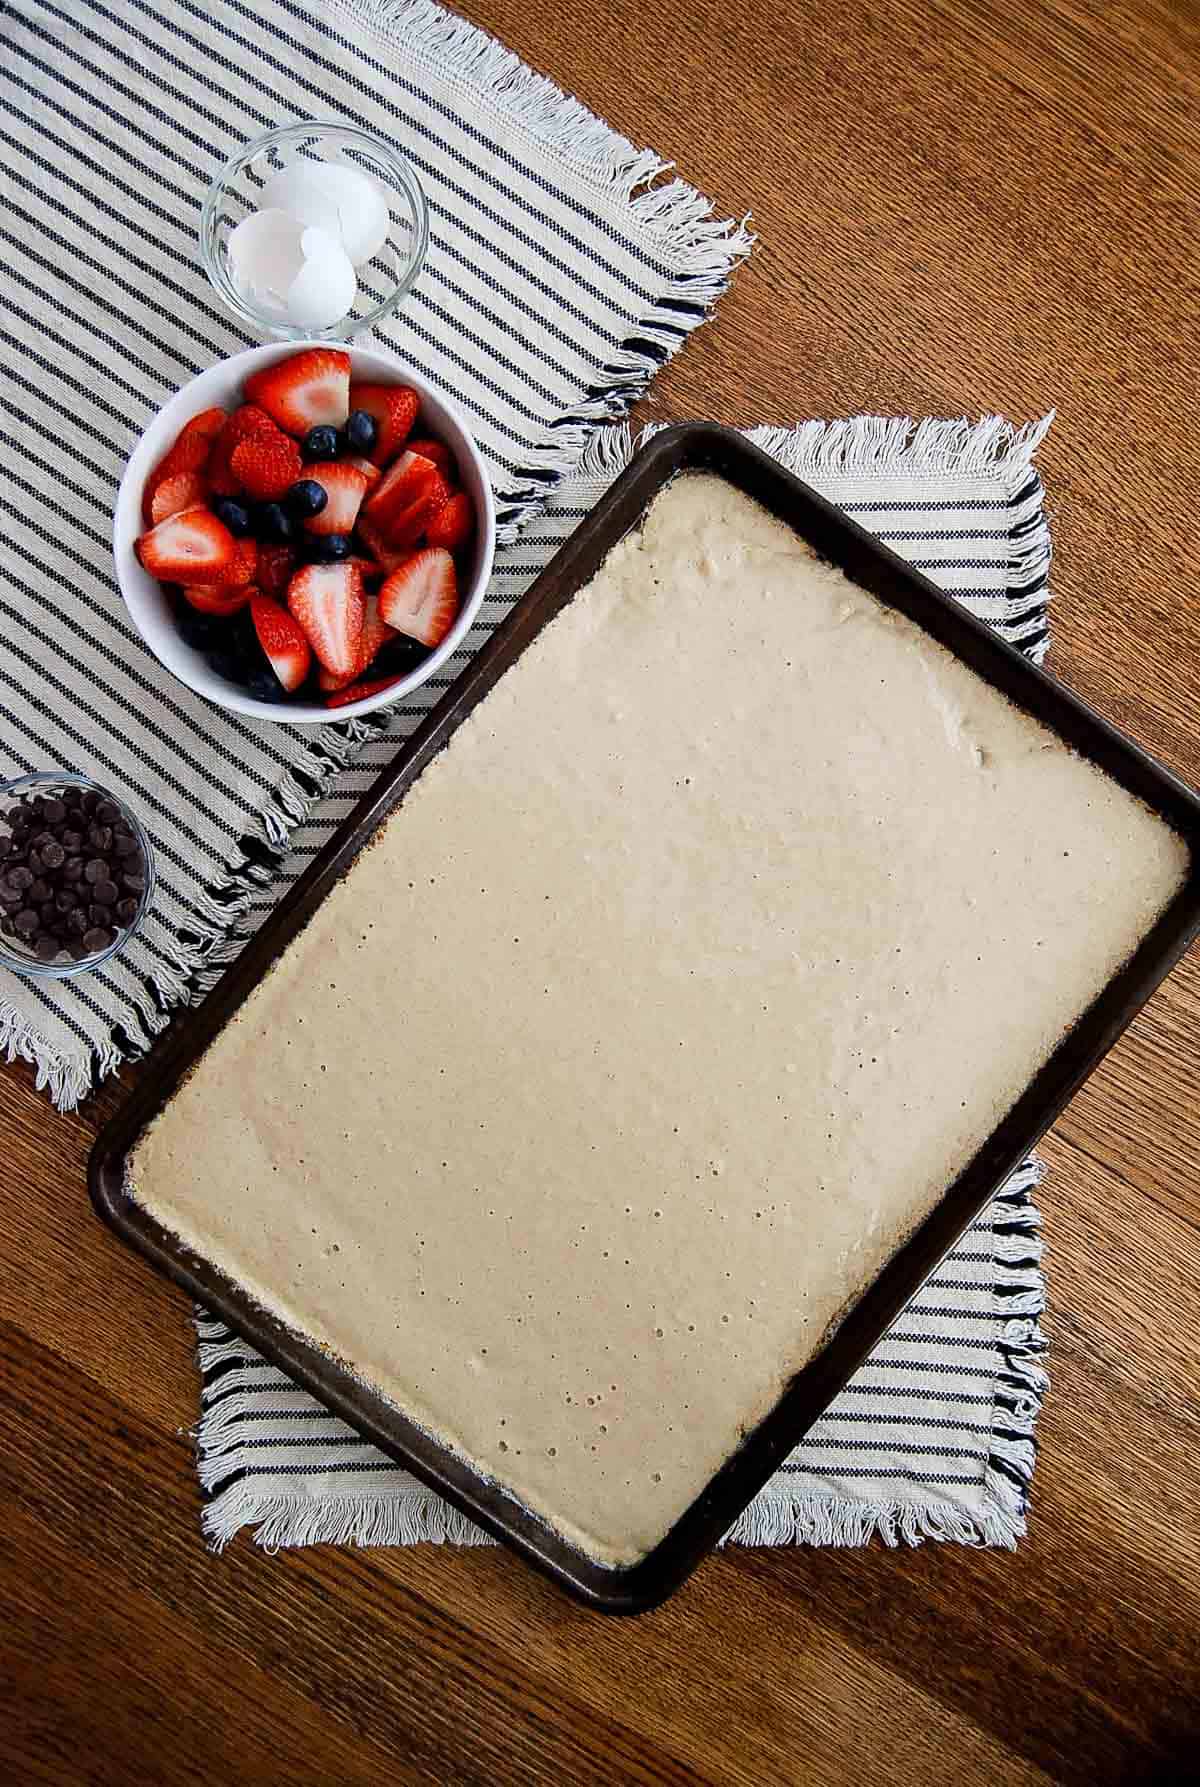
x=421 y=597
x=345 y=485
x=375 y=635
x=310 y=389
x=370 y=472
x=394 y=408
x=409 y=491
x=191 y=547
x=327 y=600
x=283 y=640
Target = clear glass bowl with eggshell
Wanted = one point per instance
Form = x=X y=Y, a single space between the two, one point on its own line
x=337 y=244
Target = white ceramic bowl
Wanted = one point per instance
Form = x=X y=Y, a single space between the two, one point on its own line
x=148 y=602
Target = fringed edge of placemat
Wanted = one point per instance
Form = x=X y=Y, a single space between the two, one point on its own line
x=410 y=1514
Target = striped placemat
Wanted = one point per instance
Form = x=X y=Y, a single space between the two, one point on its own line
x=565 y=267
x=934 y=1436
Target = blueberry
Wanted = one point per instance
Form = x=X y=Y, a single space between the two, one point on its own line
x=328 y=548
x=274 y=524
x=401 y=653
x=199 y=630
x=235 y=515
x=242 y=638
x=264 y=685
x=358 y=436
x=320 y=443
x=306 y=497
x=229 y=664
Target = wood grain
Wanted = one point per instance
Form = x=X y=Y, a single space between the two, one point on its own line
x=962 y=205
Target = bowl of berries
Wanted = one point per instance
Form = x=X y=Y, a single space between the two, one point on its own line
x=304 y=533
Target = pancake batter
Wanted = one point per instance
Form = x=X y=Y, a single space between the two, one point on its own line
x=657 y=1017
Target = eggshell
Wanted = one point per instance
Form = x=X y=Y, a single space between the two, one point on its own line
x=343 y=200
x=265 y=257
x=324 y=288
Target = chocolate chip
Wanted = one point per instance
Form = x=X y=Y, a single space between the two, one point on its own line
x=89 y=800
x=98 y=914
x=26 y=922
x=20 y=879
x=135 y=881
x=97 y=939
x=127 y=910
x=124 y=843
x=96 y=869
x=64 y=899
x=10 y=898
x=71 y=840
x=34 y=859
x=53 y=855
x=77 y=922
x=76 y=949
x=76 y=818
x=39 y=891
x=100 y=837
x=48 y=913
x=72 y=869
x=105 y=893
x=56 y=811
x=108 y=812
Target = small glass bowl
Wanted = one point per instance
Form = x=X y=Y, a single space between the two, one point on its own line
x=382 y=282
x=49 y=783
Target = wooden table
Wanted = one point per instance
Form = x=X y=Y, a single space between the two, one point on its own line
x=962 y=205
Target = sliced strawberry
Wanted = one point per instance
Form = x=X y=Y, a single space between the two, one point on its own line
x=275 y=567
x=438 y=451
x=360 y=691
x=345 y=486
x=223 y=600
x=327 y=600
x=375 y=635
x=406 y=494
x=370 y=472
x=310 y=389
x=189 y=454
x=181 y=490
x=244 y=568
x=386 y=559
x=421 y=598
x=266 y=465
x=453 y=524
x=394 y=408
x=192 y=547
x=247 y=420
x=283 y=640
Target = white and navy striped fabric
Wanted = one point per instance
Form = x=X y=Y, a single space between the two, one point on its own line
x=934 y=1436
x=563 y=272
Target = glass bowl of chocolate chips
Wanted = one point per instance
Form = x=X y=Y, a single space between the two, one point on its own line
x=76 y=874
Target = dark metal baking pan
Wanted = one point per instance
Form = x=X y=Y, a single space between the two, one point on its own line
x=866 y=562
